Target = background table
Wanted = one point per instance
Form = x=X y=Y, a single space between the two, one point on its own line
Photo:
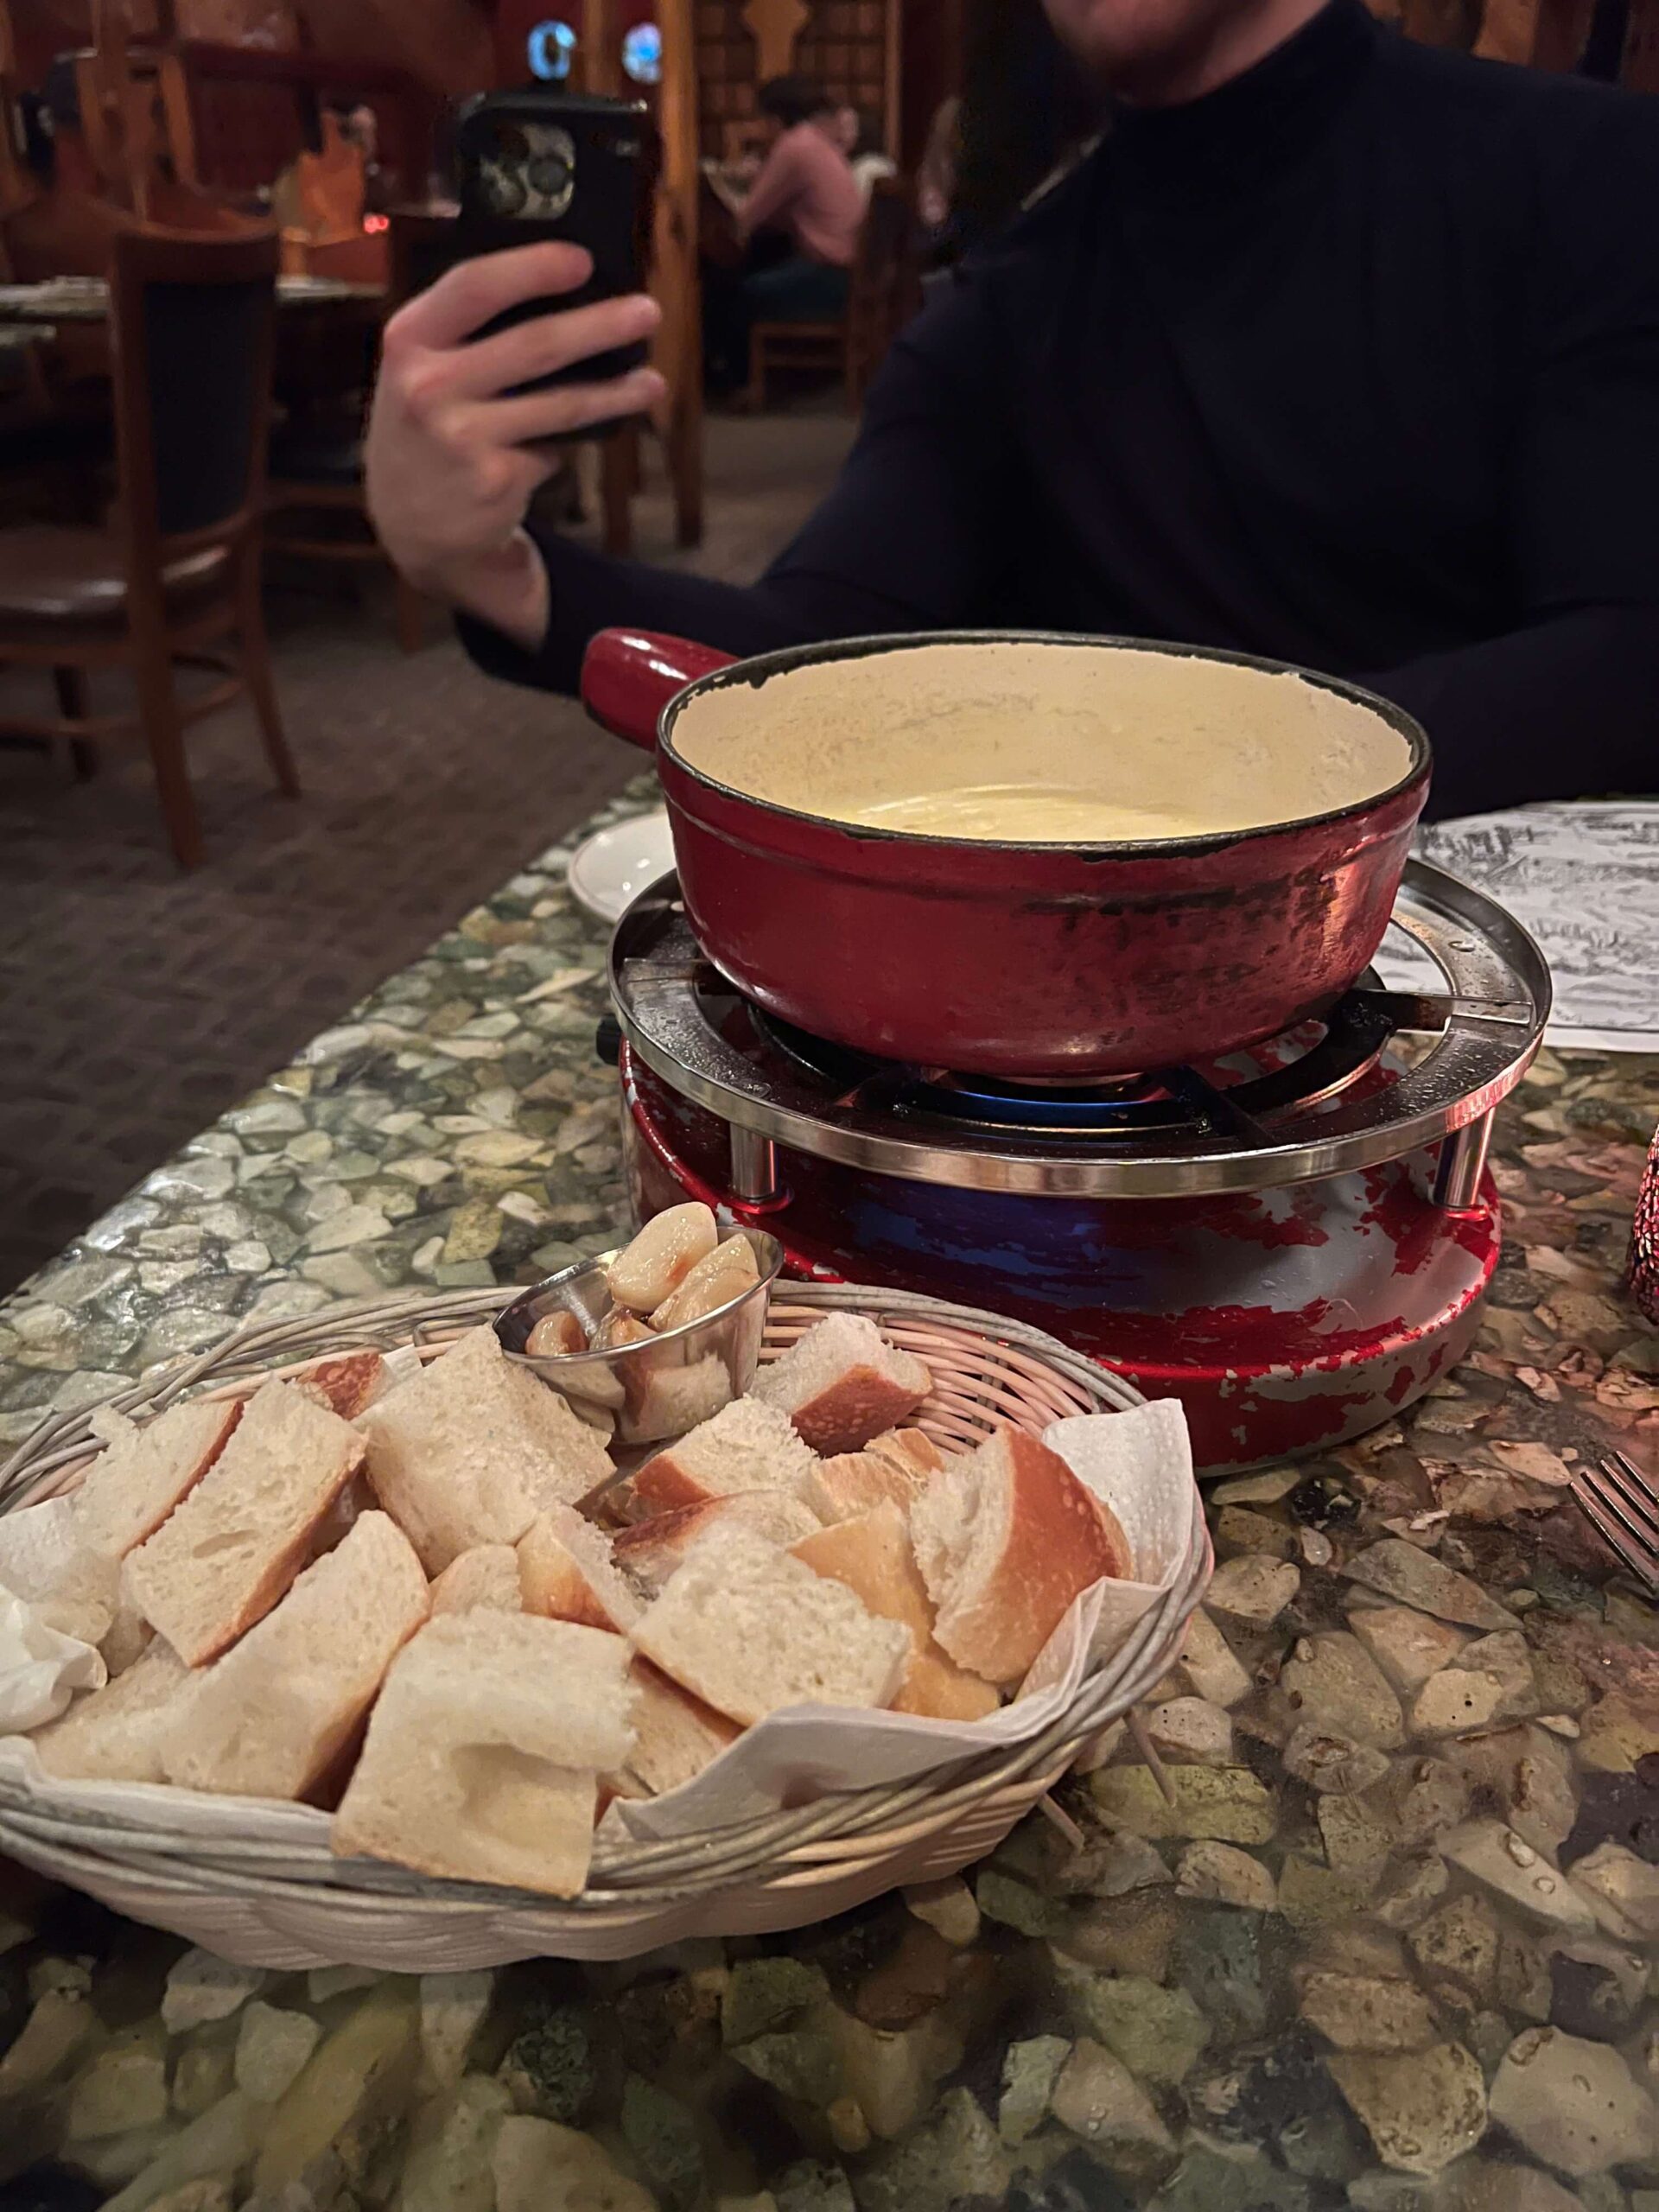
x=1320 y=1971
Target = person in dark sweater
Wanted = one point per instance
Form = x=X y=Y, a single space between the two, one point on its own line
x=1337 y=349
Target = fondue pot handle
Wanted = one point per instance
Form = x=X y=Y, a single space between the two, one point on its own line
x=629 y=676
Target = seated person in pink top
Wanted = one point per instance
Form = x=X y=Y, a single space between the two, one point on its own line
x=800 y=223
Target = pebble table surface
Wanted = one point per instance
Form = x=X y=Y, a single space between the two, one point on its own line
x=1388 y=1940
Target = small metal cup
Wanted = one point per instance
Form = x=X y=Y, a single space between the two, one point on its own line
x=658 y=1389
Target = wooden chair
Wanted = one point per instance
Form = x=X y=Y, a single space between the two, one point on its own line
x=883 y=292
x=175 y=581
x=317 y=467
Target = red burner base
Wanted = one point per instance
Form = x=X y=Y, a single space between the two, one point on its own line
x=1285 y=1321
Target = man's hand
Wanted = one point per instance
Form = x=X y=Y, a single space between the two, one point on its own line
x=451 y=466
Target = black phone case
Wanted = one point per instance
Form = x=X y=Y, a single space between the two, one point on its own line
x=591 y=164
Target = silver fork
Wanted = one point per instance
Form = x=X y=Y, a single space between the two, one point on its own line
x=1623 y=1504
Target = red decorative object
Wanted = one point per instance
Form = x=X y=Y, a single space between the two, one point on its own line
x=1644 y=1240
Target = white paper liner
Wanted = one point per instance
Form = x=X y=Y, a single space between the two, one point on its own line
x=39 y=1671
x=1140 y=1462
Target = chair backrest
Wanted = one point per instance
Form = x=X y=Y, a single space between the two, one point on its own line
x=193 y=323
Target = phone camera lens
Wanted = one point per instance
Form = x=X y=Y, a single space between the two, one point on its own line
x=506 y=190
x=549 y=176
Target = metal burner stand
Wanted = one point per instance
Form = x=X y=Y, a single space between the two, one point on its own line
x=1193 y=1135
x=1295 y=1241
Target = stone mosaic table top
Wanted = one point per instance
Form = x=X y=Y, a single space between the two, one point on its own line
x=1384 y=1933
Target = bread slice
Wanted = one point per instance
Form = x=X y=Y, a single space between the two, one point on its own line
x=873 y=1556
x=842 y=1384
x=1006 y=1538
x=470 y=1450
x=115 y=1735
x=565 y=1572
x=651 y=1550
x=661 y=1256
x=272 y=1717
x=135 y=1482
x=354 y=1501
x=911 y=1450
x=746 y=1446
x=224 y=1557
x=347 y=1382
x=676 y=1734
x=486 y=1575
x=749 y=1630
x=898 y=1466
x=483 y=1752
x=938 y=1689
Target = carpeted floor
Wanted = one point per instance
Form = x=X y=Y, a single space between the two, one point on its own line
x=136 y=1004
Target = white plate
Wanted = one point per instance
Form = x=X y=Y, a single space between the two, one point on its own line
x=611 y=868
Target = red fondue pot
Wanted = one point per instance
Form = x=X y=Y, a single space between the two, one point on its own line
x=1046 y=960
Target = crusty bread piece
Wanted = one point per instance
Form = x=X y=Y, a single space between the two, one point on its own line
x=719 y=1279
x=356 y=1499
x=566 y=1571
x=749 y=1629
x=873 y=1556
x=908 y=1448
x=115 y=1735
x=224 y=1557
x=273 y=1716
x=483 y=1752
x=135 y=1482
x=347 y=1382
x=842 y=1384
x=1006 y=1538
x=486 y=1575
x=898 y=1466
x=937 y=1689
x=661 y=1256
x=470 y=1452
x=746 y=1446
x=676 y=1735
x=651 y=1550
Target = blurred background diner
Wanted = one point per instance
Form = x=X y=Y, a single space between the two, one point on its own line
x=245 y=771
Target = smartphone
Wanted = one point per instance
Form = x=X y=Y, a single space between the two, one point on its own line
x=576 y=167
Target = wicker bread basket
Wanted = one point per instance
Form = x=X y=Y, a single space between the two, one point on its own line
x=258 y=1883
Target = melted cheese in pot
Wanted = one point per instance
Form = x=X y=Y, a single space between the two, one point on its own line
x=1026 y=814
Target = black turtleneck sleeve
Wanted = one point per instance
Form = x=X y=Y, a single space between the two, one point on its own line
x=1353 y=364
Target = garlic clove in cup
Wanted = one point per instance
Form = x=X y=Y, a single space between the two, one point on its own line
x=662 y=1255
x=723 y=1275
x=620 y=1328
x=558 y=1335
